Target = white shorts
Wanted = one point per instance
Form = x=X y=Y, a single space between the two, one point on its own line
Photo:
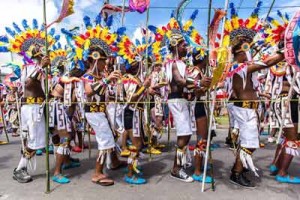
x=232 y=122
x=248 y=124
x=33 y=123
x=104 y=135
x=181 y=116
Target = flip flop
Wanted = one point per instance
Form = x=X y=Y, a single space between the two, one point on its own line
x=3 y=142
x=104 y=181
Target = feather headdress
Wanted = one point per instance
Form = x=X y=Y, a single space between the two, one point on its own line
x=236 y=28
x=95 y=36
x=276 y=29
x=20 y=40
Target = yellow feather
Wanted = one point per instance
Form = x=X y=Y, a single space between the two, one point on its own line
x=275 y=23
x=228 y=26
x=226 y=41
x=235 y=22
x=187 y=25
x=252 y=22
x=87 y=44
x=79 y=40
x=79 y=53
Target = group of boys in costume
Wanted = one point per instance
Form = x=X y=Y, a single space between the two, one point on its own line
x=101 y=79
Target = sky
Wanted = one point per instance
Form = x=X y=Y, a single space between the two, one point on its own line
x=160 y=11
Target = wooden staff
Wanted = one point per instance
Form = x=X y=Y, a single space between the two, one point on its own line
x=148 y=96
x=47 y=102
x=210 y=113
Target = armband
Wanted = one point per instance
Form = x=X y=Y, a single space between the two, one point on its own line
x=140 y=91
x=99 y=87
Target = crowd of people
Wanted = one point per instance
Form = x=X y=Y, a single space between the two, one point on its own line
x=102 y=81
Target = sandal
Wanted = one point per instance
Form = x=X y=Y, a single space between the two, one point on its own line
x=287 y=179
x=134 y=180
x=103 y=181
x=3 y=142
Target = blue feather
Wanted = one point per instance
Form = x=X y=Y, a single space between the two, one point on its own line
x=52 y=32
x=3 y=49
x=24 y=24
x=121 y=30
x=279 y=13
x=85 y=54
x=127 y=66
x=257 y=9
x=42 y=27
x=287 y=16
x=152 y=28
x=87 y=22
x=57 y=37
x=259 y=4
x=81 y=65
x=269 y=19
x=109 y=21
x=10 y=32
x=67 y=33
x=172 y=14
x=143 y=40
x=58 y=45
x=35 y=24
x=194 y=15
x=54 y=47
x=98 y=19
x=16 y=27
x=150 y=40
x=137 y=42
x=232 y=10
x=4 y=39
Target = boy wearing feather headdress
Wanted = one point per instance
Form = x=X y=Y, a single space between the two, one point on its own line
x=94 y=51
x=242 y=80
x=30 y=43
x=65 y=94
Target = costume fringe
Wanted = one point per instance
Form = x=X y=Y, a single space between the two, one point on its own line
x=248 y=162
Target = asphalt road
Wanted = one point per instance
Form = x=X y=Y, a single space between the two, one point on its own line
x=160 y=185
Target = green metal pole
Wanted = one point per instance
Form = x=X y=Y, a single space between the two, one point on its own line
x=270 y=8
x=46 y=105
